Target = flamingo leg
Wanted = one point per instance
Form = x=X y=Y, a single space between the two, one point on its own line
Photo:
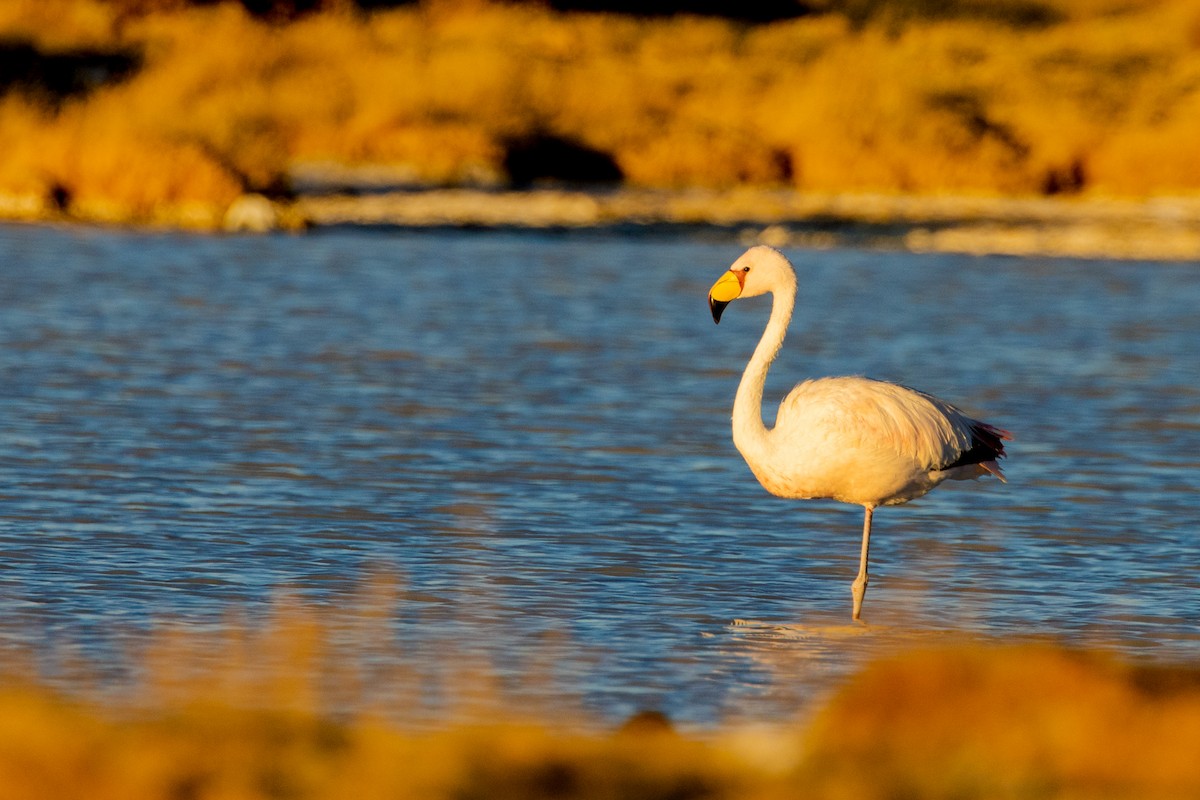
x=859 y=587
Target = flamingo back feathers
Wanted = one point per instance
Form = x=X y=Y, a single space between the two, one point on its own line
x=862 y=412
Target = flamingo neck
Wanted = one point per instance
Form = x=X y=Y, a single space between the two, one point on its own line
x=750 y=435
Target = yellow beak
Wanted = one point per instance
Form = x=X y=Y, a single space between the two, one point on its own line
x=724 y=291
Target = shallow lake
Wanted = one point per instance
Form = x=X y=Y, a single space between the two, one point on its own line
x=529 y=434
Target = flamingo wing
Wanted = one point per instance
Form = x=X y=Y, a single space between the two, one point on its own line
x=862 y=414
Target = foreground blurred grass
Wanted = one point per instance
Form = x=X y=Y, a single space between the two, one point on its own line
x=1093 y=96
x=288 y=713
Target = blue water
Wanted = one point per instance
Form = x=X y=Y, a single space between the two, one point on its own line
x=527 y=434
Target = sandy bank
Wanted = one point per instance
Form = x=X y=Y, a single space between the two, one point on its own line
x=1166 y=229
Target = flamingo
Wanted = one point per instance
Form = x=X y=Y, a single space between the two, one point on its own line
x=852 y=439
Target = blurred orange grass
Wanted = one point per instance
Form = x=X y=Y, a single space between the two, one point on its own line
x=326 y=703
x=1104 y=100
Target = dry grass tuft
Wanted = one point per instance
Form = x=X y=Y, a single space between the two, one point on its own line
x=1009 y=722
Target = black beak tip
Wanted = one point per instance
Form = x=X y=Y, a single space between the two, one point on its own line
x=717 y=308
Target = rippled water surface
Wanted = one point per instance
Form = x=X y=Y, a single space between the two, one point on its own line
x=529 y=433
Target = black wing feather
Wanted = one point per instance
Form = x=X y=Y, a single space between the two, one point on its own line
x=987 y=444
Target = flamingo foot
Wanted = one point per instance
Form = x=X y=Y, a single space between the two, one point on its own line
x=859 y=590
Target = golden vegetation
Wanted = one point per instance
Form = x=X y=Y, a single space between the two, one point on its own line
x=285 y=713
x=1093 y=96
x=52 y=749
x=1014 y=722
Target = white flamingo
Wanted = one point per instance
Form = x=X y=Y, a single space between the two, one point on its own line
x=851 y=439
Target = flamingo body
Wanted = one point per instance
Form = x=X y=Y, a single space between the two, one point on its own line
x=852 y=439
x=865 y=442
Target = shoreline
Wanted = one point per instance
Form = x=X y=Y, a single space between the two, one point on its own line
x=1166 y=229
x=1159 y=229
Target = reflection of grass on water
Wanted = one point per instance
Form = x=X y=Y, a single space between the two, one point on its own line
x=991 y=96
x=291 y=712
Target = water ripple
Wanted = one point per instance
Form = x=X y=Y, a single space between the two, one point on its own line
x=532 y=432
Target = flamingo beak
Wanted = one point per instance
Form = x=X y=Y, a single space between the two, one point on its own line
x=724 y=291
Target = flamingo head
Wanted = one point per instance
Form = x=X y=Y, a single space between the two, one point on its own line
x=757 y=271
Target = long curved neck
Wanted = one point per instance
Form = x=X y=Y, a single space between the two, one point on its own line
x=750 y=435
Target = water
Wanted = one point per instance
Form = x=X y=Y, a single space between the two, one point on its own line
x=530 y=434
